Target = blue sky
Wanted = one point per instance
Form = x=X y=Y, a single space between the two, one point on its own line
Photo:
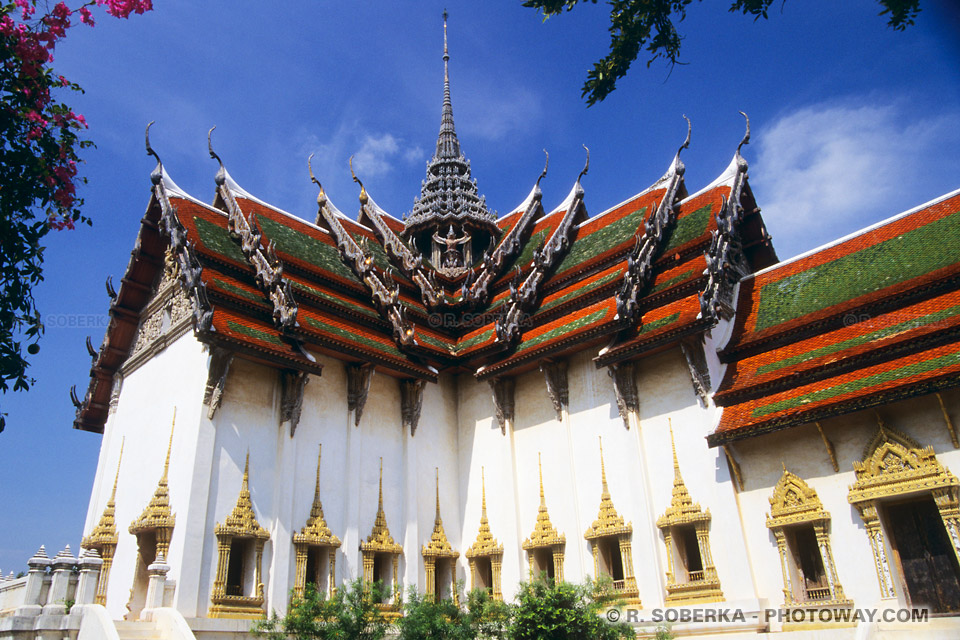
x=852 y=123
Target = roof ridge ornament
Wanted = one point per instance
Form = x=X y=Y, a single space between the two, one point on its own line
x=221 y=176
x=321 y=195
x=586 y=167
x=546 y=165
x=157 y=174
x=364 y=198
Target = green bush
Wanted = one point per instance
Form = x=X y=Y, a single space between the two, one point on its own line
x=351 y=614
x=548 y=611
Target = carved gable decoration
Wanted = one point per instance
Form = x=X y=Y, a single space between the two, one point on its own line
x=794 y=502
x=895 y=464
x=242 y=521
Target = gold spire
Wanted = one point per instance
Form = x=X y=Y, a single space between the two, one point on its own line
x=380 y=538
x=157 y=514
x=682 y=508
x=485 y=544
x=316 y=530
x=544 y=534
x=242 y=521
x=106 y=530
x=608 y=521
x=439 y=545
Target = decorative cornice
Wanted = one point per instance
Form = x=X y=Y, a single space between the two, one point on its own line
x=242 y=521
x=292 y=385
x=157 y=514
x=555 y=375
x=608 y=522
x=411 y=402
x=624 y=379
x=439 y=546
x=503 y=400
x=316 y=532
x=485 y=544
x=358 y=386
x=380 y=539
x=544 y=534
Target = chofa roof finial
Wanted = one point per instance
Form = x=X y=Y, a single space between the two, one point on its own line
x=586 y=166
x=222 y=173
x=546 y=165
x=157 y=172
x=363 y=190
x=746 y=136
x=321 y=196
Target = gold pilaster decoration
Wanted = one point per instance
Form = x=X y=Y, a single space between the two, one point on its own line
x=241 y=524
x=949 y=423
x=486 y=546
x=794 y=503
x=700 y=585
x=381 y=542
x=894 y=465
x=545 y=536
x=104 y=537
x=315 y=535
x=157 y=518
x=439 y=547
x=610 y=525
x=831 y=451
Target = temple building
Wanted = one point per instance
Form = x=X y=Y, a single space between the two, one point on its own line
x=452 y=397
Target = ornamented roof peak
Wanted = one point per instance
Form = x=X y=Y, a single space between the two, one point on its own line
x=608 y=522
x=449 y=193
x=439 y=545
x=242 y=521
x=544 y=533
x=105 y=533
x=682 y=509
x=157 y=514
x=486 y=544
x=316 y=531
x=380 y=538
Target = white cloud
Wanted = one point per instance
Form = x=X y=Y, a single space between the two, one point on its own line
x=827 y=170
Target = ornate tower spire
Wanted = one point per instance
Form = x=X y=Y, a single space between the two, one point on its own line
x=449 y=194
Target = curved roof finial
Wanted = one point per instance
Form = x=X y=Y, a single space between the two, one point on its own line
x=546 y=165
x=363 y=190
x=222 y=173
x=746 y=136
x=686 y=143
x=322 y=196
x=586 y=167
x=157 y=172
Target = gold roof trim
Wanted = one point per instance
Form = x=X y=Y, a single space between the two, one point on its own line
x=105 y=533
x=608 y=522
x=544 y=534
x=793 y=502
x=380 y=539
x=316 y=531
x=682 y=509
x=486 y=544
x=157 y=514
x=439 y=546
x=242 y=521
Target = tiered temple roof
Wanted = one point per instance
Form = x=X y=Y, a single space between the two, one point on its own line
x=867 y=320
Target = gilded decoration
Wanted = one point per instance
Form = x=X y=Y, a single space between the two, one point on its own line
x=104 y=537
x=894 y=465
x=157 y=516
x=610 y=524
x=241 y=523
x=439 y=547
x=381 y=542
x=486 y=546
x=700 y=585
x=545 y=535
x=793 y=503
x=315 y=534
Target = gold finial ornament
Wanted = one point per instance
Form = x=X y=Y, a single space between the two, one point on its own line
x=608 y=522
x=316 y=531
x=544 y=534
x=380 y=539
x=157 y=515
x=439 y=545
x=104 y=536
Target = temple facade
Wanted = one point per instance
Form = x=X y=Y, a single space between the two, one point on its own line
x=453 y=399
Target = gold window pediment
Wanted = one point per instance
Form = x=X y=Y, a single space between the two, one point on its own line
x=316 y=532
x=793 y=502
